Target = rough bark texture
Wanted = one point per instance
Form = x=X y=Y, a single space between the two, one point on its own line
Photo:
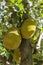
x=26 y=49
x=26 y=52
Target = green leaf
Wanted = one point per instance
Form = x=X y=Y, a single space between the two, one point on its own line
x=41 y=5
x=10 y=3
x=41 y=29
x=19 y=1
x=1 y=0
x=21 y=7
x=0 y=32
x=41 y=15
x=35 y=38
x=9 y=26
x=13 y=1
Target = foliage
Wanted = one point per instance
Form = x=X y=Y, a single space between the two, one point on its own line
x=12 y=14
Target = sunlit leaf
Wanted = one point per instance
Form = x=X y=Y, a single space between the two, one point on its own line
x=20 y=6
x=41 y=15
x=19 y=0
x=13 y=1
x=35 y=38
x=41 y=5
x=41 y=29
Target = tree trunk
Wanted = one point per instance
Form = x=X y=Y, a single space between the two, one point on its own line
x=26 y=49
x=26 y=52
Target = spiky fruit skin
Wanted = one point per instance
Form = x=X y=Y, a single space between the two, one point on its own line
x=17 y=56
x=28 y=28
x=12 y=39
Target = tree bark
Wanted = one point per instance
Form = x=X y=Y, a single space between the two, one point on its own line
x=26 y=52
x=26 y=49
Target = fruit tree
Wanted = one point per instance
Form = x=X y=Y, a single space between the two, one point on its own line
x=21 y=32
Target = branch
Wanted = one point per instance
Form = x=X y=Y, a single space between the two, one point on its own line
x=26 y=4
x=26 y=7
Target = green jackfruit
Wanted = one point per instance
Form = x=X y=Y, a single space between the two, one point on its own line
x=12 y=39
x=28 y=28
x=17 y=56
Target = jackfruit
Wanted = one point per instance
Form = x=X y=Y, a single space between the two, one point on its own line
x=12 y=39
x=28 y=28
x=17 y=56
